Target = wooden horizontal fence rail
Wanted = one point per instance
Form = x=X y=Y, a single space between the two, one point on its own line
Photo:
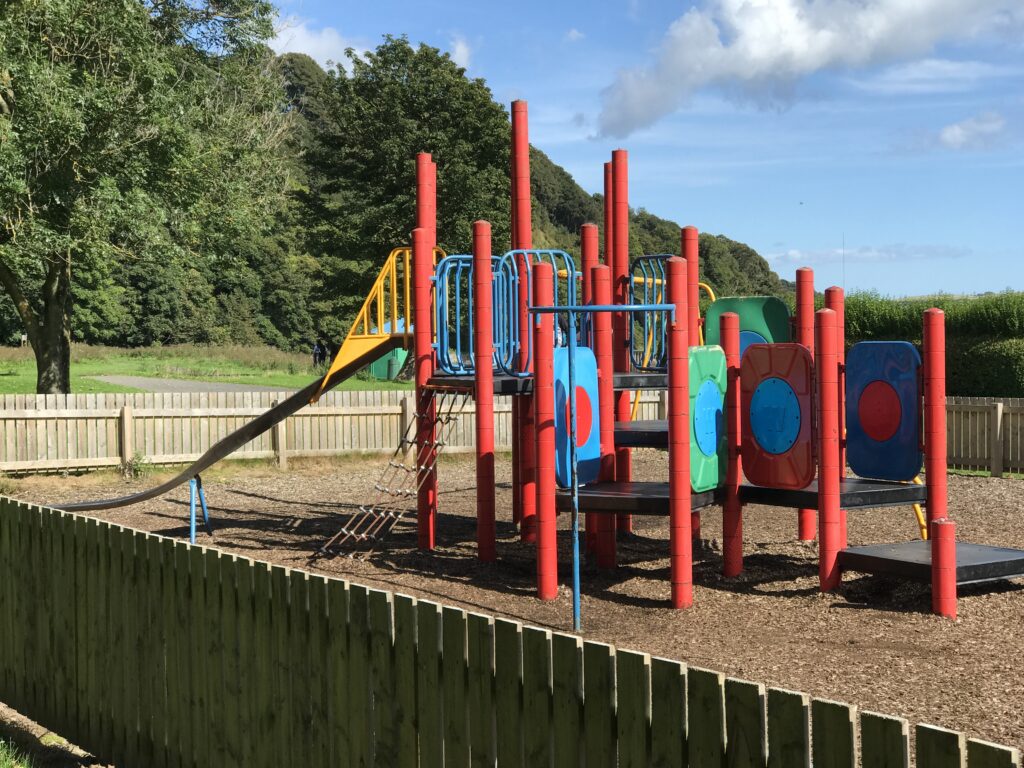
x=148 y=651
x=44 y=433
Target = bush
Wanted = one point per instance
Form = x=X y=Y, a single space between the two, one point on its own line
x=995 y=315
x=985 y=367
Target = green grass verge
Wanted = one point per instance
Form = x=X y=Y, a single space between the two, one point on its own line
x=11 y=757
x=259 y=366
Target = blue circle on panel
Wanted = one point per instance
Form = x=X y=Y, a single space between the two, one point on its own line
x=708 y=421
x=775 y=415
x=750 y=337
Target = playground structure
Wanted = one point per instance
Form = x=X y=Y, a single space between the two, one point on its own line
x=770 y=411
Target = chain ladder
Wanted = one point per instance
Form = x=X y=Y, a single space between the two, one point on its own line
x=400 y=481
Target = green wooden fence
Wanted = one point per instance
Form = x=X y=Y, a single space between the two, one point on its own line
x=149 y=652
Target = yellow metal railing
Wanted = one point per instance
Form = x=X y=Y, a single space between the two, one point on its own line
x=386 y=313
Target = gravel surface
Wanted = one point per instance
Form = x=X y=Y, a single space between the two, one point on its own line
x=874 y=643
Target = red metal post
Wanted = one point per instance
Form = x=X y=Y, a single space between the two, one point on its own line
x=835 y=301
x=680 y=507
x=609 y=215
x=827 y=369
x=942 y=539
x=602 y=284
x=426 y=497
x=516 y=402
x=483 y=350
x=544 y=404
x=805 y=336
x=426 y=196
x=691 y=252
x=732 y=508
x=522 y=239
x=621 y=320
x=588 y=257
x=935 y=413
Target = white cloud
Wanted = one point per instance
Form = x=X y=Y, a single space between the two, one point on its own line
x=975 y=132
x=461 y=52
x=324 y=45
x=574 y=35
x=765 y=47
x=869 y=254
x=933 y=76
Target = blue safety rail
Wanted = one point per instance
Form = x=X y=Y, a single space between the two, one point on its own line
x=453 y=308
x=648 y=330
x=453 y=311
x=509 y=358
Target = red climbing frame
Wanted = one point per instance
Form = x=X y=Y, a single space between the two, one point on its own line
x=544 y=405
x=680 y=530
x=602 y=283
x=805 y=336
x=621 y=320
x=827 y=365
x=732 y=508
x=424 y=238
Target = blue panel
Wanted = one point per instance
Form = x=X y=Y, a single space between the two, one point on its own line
x=775 y=415
x=897 y=364
x=708 y=419
x=588 y=426
x=750 y=337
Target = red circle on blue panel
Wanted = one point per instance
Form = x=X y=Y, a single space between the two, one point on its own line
x=879 y=411
x=584 y=415
x=775 y=415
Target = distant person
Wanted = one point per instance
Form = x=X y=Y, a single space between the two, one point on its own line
x=325 y=352
x=318 y=354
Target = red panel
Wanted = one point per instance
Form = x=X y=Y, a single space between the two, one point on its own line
x=795 y=468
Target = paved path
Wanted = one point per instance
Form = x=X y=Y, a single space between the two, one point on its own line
x=151 y=384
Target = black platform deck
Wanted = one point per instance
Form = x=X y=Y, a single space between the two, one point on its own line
x=854 y=492
x=514 y=385
x=913 y=560
x=641 y=433
x=629 y=498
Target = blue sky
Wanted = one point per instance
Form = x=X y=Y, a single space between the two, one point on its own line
x=879 y=141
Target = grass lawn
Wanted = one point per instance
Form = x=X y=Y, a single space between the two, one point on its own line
x=261 y=366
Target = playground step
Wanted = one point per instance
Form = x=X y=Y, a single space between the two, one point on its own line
x=652 y=433
x=629 y=498
x=913 y=560
x=515 y=385
x=854 y=492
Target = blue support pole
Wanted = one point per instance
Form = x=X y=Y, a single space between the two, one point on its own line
x=192 y=510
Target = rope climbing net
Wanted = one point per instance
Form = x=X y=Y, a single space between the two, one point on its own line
x=407 y=470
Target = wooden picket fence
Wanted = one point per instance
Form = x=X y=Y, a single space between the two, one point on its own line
x=147 y=651
x=45 y=433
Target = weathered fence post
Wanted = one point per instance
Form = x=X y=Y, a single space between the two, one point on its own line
x=126 y=434
x=663 y=404
x=279 y=441
x=996 y=432
x=404 y=420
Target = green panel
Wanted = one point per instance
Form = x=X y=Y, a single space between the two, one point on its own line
x=707 y=364
x=833 y=735
x=940 y=747
x=789 y=729
x=567 y=698
x=599 y=705
x=746 y=733
x=884 y=741
x=668 y=713
x=633 y=674
x=508 y=693
x=765 y=315
x=981 y=754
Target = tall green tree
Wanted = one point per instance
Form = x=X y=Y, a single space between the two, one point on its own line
x=136 y=139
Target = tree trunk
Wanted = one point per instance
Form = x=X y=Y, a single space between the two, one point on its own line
x=53 y=359
x=53 y=344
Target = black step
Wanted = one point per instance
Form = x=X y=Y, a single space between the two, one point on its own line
x=651 y=433
x=854 y=492
x=629 y=498
x=913 y=560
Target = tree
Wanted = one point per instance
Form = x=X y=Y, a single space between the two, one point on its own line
x=136 y=138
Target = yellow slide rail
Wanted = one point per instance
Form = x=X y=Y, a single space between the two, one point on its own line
x=385 y=317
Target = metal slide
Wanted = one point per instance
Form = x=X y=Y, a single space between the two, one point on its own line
x=231 y=443
x=384 y=323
